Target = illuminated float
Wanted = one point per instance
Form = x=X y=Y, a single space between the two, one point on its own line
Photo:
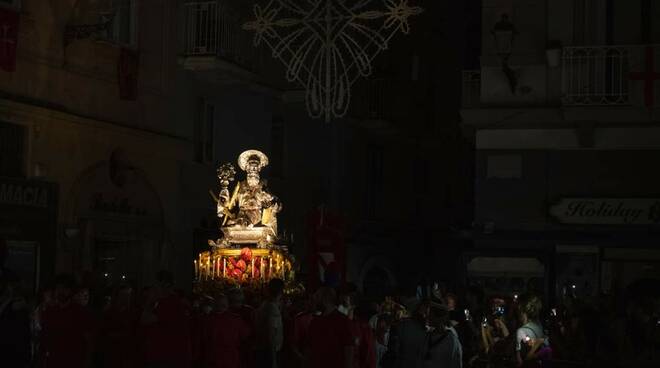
x=249 y=253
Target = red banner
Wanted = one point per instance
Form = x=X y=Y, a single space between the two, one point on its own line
x=128 y=67
x=327 y=249
x=9 y=21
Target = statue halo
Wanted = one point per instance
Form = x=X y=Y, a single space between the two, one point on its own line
x=245 y=157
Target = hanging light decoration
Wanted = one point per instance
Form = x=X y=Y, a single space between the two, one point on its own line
x=327 y=45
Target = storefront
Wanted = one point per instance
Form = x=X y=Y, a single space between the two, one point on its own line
x=118 y=229
x=28 y=211
x=620 y=249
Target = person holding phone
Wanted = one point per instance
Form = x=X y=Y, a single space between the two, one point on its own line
x=531 y=343
x=496 y=341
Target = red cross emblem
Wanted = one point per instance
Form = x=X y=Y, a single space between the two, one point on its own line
x=649 y=76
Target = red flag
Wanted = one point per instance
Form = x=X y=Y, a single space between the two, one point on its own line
x=128 y=67
x=8 y=39
x=327 y=248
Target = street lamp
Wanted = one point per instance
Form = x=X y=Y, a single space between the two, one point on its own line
x=504 y=32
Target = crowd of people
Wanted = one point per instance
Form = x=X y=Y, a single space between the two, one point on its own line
x=71 y=325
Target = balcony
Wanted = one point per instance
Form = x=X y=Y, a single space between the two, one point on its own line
x=610 y=75
x=215 y=41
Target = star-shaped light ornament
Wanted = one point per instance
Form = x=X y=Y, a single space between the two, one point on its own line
x=327 y=45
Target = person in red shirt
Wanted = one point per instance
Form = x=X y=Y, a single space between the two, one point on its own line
x=66 y=334
x=118 y=328
x=331 y=340
x=226 y=333
x=202 y=312
x=237 y=305
x=367 y=347
x=365 y=353
x=166 y=320
x=300 y=334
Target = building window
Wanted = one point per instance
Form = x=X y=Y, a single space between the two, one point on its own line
x=123 y=23
x=589 y=22
x=649 y=22
x=374 y=180
x=205 y=132
x=277 y=148
x=12 y=150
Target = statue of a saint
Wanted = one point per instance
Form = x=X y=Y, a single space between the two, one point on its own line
x=256 y=218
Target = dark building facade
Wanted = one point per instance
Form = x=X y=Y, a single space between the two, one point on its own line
x=566 y=136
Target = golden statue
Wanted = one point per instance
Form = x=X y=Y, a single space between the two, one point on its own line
x=255 y=219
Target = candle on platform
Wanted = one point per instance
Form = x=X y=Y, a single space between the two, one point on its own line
x=224 y=267
x=262 y=267
x=270 y=267
x=196 y=269
x=213 y=270
x=252 y=268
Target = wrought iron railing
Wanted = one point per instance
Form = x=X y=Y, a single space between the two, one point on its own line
x=471 y=88
x=214 y=28
x=601 y=75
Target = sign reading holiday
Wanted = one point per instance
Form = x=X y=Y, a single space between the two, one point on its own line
x=607 y=211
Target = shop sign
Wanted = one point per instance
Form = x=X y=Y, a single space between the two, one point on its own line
x=607 y=211
x=24 y=193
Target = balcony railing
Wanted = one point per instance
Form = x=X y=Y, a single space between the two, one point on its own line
x=471 y=88
x=213 y=28
x=601 y=75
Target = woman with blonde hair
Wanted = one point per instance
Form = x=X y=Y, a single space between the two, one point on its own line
x=531 y=342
